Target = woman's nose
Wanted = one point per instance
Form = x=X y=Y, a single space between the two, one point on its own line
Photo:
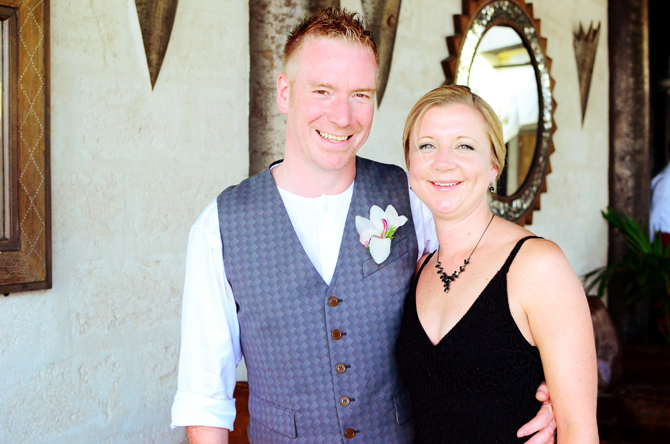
x=444 y=158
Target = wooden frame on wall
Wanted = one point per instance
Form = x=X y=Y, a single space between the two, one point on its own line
x=25 y=231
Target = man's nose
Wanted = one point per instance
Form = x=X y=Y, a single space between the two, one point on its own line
x=340 y=112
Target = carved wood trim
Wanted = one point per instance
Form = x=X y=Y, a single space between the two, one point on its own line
x=28 y=265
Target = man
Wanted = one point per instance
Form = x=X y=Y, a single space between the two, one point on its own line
x=659 y=215
x=315 y=315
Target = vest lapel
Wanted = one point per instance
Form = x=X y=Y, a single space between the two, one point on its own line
x=281 y=223
x=352 y=252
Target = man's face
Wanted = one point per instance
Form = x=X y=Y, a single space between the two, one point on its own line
x=329 y=104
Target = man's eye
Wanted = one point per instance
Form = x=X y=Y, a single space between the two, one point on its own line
x=362 y=96
x=321 y=91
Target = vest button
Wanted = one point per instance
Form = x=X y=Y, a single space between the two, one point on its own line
x=336 y=334
x=340 y=368
x=349 y=433
x=345 y=401
x=332 y=301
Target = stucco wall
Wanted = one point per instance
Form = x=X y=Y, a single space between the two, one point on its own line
x=577 y=185
x=94 y=359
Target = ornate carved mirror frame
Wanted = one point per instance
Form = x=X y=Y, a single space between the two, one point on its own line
x=477 y=18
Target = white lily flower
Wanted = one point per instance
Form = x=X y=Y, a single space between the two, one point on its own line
x=393 y=219
x=376 y=233
x=378 y=218
x=380 y=249
x=366 y=230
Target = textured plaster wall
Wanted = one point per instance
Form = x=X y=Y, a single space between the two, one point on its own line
x=577 y=185
x=94 y=360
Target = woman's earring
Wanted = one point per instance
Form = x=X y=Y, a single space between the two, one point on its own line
x=491 y=189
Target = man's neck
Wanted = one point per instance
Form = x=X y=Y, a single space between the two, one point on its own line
x=312 y=181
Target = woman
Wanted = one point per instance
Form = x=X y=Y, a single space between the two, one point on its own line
x=496 y=310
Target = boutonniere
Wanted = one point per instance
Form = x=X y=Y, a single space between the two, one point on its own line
x=376 y=233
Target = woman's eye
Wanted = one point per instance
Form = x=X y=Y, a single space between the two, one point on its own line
x=466 y=147
x=425 y=146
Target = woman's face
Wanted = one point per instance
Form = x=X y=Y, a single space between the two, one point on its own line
x=450 y=162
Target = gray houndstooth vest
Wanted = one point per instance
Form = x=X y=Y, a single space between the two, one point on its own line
x=320 y=358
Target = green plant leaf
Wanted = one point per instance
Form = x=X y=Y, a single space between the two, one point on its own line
x=643 y=273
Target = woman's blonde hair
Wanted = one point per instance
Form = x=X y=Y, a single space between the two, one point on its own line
x=451 y=95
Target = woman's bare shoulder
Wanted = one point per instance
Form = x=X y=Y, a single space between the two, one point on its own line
x=542 y=274
x=538 y=254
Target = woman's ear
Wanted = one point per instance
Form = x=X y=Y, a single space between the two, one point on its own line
x=494 y=173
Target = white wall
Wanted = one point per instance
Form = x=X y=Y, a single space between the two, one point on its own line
x=577 y=185
x=94 y=359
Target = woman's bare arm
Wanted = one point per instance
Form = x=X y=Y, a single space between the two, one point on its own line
x=552 y=297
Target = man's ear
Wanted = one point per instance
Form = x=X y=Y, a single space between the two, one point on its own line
x=283 y=93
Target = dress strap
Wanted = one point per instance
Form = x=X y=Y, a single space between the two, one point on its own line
x=515 y=250
x=425 y=262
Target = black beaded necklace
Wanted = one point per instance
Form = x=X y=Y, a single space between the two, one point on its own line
x=447 y=280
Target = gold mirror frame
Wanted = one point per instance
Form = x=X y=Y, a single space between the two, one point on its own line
x=477 y=18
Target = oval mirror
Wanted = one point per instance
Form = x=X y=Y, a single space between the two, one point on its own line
x=499 y=54
x=503 y=75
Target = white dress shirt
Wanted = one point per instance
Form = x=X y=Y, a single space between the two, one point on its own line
x=659 y=217
x=210 y=332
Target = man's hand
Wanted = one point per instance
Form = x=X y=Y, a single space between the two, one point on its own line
x=544 y=422
x=206 y=435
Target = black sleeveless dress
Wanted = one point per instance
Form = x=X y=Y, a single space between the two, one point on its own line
x=478 y=384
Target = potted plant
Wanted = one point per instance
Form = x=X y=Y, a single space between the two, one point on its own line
x=643 y=272
x=636 y=408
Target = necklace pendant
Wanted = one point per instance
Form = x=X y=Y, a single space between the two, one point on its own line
x=447 y=280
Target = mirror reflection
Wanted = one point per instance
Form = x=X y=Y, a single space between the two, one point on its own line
x=502 y=74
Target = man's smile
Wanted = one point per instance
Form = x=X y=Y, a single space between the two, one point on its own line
x=332 y=137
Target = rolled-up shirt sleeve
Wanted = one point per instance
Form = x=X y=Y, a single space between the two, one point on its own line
x=210 y=333
x=426 y=238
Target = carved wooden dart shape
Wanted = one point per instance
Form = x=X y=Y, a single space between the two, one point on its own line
x=382 y=18
x=585 y=44
x=156 y=20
